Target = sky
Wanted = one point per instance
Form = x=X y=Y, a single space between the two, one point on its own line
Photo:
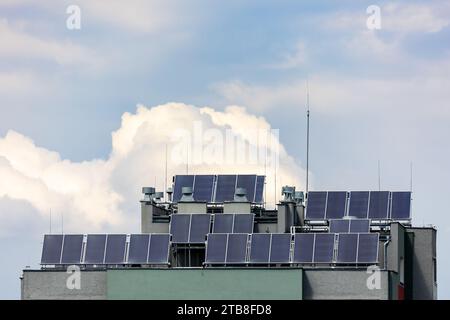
x=86 y=114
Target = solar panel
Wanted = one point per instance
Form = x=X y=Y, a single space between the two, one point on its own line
x=236 y=248
x=115 y=249
x=359 y=225
x=225 y=189
x=260 y=248
x=223 y=223
x=368 y=248
x=216 y=247
x=248 y=182
x=51 y=250
x=138 y=249
x=200 y=224
x=158 y=252
x=316 y=205
x=303 y=248
x=180 y=182
x=179 y=227
x=95 y=249
x=401 y=205
x=280 y=248
x=379 y=205
x=323 y=247
x=243 y=223
x=339 y=225
x=359 y=204
x=347 y=248
x=203 y=188
x=336 y=202
x=259 y=189
x=72 y=249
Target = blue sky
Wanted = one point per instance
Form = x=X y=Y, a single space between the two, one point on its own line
x=376 y=95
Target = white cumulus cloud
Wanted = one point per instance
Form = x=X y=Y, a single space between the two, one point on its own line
x=103 y=194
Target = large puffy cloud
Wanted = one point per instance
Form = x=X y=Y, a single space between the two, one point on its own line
x=103 y=194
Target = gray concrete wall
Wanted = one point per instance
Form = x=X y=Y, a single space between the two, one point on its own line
x=424 y=260
x=342 y=284
x=147 y=224
x=44 y=285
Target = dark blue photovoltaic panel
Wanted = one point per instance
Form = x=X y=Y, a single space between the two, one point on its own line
x=243 y=223
x=339 y=226
x=158 y=252
x=72 y=249
x=280 y=248
x=248 y=182
x=401 y=205
x=316 y=204
x=379 y=204
x=223 y=223
x=303 y=248
x=51 y=250
x=95 y=249
x=179 y=227
x=359 y=204
x=203 y=188
x=115 y=249
x=226 y=185
x=336 y=204
x=360 y=225
x=138 y=250
x=200 y=225
x=368 y=248
x=260 y=248
x=216 y=247
x=259 y=189
x=347 y=248
x=237 y=248
x=180 y=182
x=324 y=247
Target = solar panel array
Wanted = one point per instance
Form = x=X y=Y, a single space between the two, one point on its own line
x=283 y=248
x=349 y=225
x=105 y=249
x=233 y=223
x=189 y=228
x=373 y=205
x=219 y=188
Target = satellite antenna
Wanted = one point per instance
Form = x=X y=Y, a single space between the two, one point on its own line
x=307 y=136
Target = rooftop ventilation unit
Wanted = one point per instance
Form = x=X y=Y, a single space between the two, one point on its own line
x=240 y=195
x=299 y=197
x=148 y=193
x=187 y=194
x=158 y=196
x=288 y=193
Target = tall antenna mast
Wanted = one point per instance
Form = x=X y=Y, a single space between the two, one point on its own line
x=265 y=169
x=165 y=178
x=307 y=136
x=379 y=176
x=411 y=176
x=187 y=158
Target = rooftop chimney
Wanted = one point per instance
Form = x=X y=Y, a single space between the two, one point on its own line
x=148 y=193
x=240 y=195
x=187 y=194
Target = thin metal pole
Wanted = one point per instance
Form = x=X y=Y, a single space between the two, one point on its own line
x=411 y=176
x=165 y=179
x=307 y=136
x=379 y=176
